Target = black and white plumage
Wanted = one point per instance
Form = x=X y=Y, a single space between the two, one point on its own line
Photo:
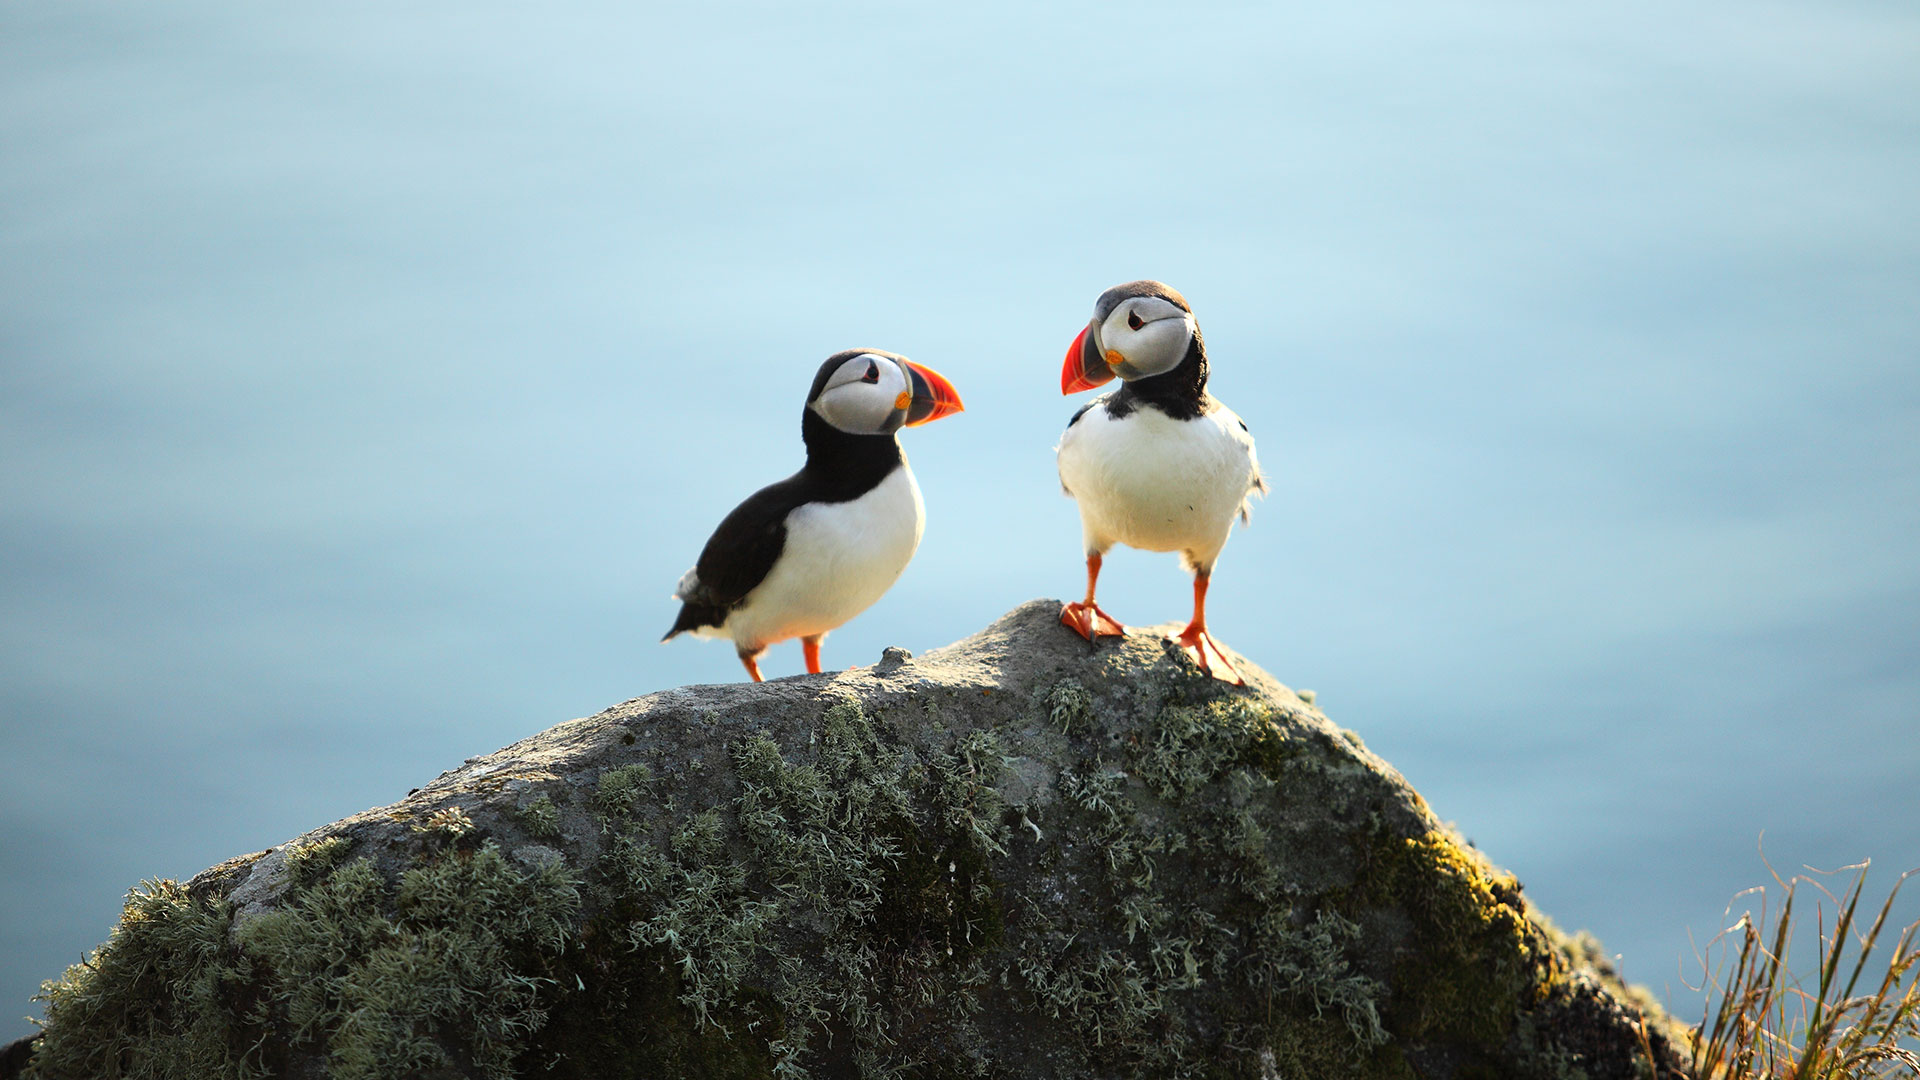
x=1158 y=464
x=803 y=556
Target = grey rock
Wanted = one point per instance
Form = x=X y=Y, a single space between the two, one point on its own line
x=1019 y=855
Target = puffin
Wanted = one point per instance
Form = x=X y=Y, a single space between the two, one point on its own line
x=1159 y=464
x=802 y=556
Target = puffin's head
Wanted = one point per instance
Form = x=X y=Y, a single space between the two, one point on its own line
x=1140 y=329
x=870 y=392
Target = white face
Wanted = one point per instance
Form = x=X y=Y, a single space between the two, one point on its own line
x=866 y=395
x=1150 y=335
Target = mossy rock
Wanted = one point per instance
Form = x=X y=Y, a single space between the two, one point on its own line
x=1017 y=856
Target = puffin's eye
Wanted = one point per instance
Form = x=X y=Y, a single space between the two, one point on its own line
x=1133 y=320
x=873 y=373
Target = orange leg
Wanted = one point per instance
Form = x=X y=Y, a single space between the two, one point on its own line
x=1086 y=618
x=1195 y=642
x=810 y=647
x=752 y=660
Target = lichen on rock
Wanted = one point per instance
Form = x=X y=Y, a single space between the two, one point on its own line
x=1016 y=856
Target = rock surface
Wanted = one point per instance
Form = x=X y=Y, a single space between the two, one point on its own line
x=1016 y=856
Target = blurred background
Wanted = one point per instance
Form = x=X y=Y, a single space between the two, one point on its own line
x=369 y=375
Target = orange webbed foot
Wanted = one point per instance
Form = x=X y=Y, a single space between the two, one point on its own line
x=1090 y=622
x=1197 y=644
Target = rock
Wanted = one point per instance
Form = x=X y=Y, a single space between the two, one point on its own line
x=1018 y=856
x=15 y=1055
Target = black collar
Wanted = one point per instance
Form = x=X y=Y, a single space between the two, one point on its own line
x=1180 y=393
x=840 y=466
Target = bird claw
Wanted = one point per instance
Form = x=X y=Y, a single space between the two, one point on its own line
x=1198 y=645
x=1090 y=622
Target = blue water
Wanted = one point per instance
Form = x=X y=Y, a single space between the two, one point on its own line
x=369 y=375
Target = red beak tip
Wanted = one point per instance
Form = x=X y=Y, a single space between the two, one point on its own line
x=1074 y=376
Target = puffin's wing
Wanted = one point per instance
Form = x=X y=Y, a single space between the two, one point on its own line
x=737 y=558
x=1067 y=435
x=1256 y=480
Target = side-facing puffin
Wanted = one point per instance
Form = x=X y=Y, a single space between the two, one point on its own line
x=803 y=556
x=1158 y=464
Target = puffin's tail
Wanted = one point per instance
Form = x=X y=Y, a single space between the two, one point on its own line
x=688 y=619
x=692 y=617
x=696 y=606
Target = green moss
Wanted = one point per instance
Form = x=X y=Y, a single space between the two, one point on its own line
x=627 y=1019
x=540 y=817
x=448 y=822
x=1112 y=1000
x=698 y=912
x=1190 y=746
x=1069 y=707
x=155 y=1002
x=943 y=898
x=1300 y=1043
x=1311 y=962
x=1471 y=964
x=1244 y=842
x=620 y=789
x=845 y=884
x=1476 y=960
x=387 y=974
x=307 y=863
x=1236 y=940
x=959 y=785
x=1135 y=997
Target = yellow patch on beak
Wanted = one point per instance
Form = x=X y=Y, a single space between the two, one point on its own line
x=905 y=399
x=1114 y=358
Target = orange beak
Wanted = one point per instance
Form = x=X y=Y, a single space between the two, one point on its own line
x=933 y=396
x=1085 y=368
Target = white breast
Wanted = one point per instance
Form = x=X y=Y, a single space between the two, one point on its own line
x=1152 y=482
x=838 y=559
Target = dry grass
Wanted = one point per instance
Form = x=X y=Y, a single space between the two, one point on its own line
x=1848 y=1019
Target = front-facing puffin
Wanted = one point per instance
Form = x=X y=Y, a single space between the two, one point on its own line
x=803 y=556
x=1158 y=464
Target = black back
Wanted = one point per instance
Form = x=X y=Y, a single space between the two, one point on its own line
x=840 y=467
